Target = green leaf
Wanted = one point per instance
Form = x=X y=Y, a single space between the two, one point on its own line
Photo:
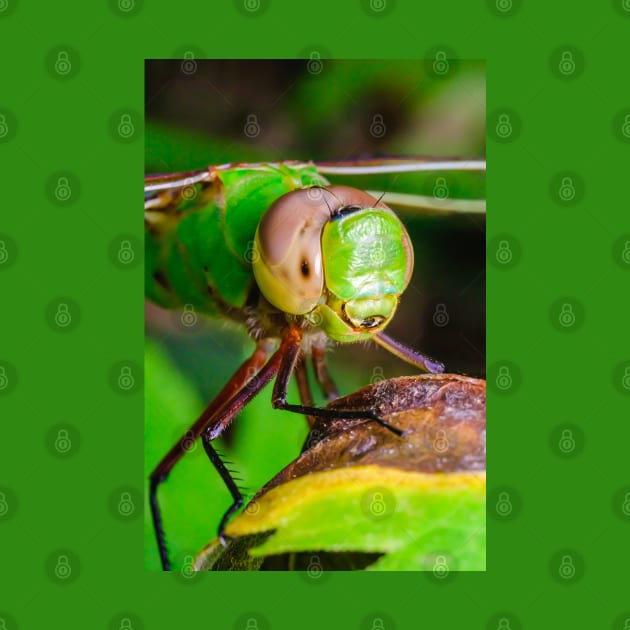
x=409 y=503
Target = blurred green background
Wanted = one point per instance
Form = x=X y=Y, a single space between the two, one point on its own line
x=211 y=112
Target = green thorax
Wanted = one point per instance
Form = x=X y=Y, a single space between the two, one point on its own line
x=200 y=252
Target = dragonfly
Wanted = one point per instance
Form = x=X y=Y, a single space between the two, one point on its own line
x=300 y=262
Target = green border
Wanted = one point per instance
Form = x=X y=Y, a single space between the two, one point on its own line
x=566 y=373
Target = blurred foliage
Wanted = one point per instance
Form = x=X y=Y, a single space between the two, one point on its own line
x=197 y=119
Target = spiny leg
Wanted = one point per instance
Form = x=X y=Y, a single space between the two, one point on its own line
x=241 y=377
x=231 y=409
x=290 y=348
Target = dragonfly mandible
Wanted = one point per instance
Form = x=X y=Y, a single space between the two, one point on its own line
x=298 y=262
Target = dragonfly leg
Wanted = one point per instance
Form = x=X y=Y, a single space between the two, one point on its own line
x=407 y=354
x=207 y=418
x=289 y=350
x=327 y=385
x=304 y=389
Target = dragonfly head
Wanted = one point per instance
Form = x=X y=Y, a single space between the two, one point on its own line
x=338 y=257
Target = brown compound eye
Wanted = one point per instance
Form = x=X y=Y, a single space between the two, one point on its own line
x=287 y=262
